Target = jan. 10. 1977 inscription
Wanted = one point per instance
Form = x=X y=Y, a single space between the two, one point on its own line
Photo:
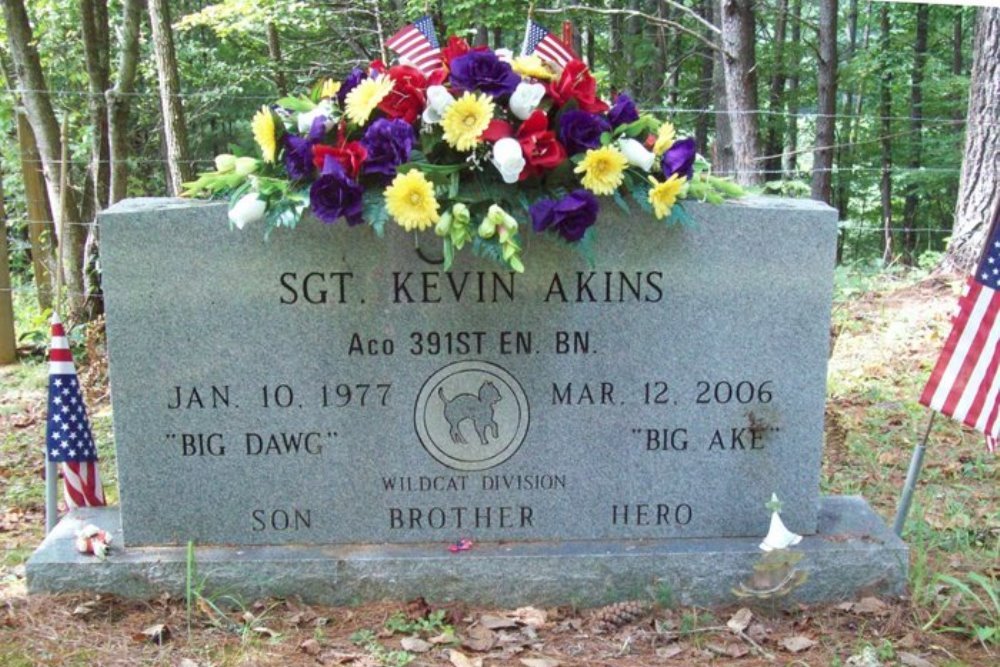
x=328 y=386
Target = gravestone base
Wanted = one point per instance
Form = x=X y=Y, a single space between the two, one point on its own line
x=854 y=553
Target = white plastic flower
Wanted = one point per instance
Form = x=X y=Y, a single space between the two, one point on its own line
x=244 y=166
x=438 y=100
x=526 y=97
x=248 y=210
x=778 y=536
x=306 y=118
x=505 y=55
x=225 y=163
x=636 y=154
x=508 y=159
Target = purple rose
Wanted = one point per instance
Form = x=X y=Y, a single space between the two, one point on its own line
x=483 y=71
x=333 y=194
x=579 y=130
x=356 y=76
x=388 y=143
x=622 y=111
x=569 y=217
x=679 y=159
x=298 y=150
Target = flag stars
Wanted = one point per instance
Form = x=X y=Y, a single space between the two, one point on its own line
x=64 y=427
x=57 y=400
x=57 y=382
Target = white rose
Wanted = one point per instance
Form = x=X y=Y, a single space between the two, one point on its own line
x=526 y=97
x=636 y=154
x=306 y=118
x=508 y=159
x=505 y=55
x=249 y=209
x=225 y=163
x=438 y=100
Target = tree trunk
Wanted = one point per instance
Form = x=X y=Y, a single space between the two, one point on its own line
x=723 y=159
x=119 y=100
x=979 y=188
x=740 y=71
x=40 y=220
x=45 y=126
x=8 y=340
x=885 y=110
x=915 y=138
x=591 y=46
x=826 y=83
x=174 y=130
x=616 y=48
x=956 y=53
x=775 y=102
x=274 y=53
x=703 y=120
x=789 y=161
x=94 y=20
x=844 y=152
x=482 y=37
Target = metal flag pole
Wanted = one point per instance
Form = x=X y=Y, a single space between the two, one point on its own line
x=916 y=461
x=51 y=468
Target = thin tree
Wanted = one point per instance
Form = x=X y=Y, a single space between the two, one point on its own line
x=174 y=129
x=96 y=50
x=979 y=188
x=826 y=102
x=789 y=161
x=775 y=98
x=119 y=99
x=885 y=111
x=915 y=137
x=740 y=72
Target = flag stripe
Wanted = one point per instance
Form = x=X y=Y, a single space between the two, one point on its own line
x=977 y=356
x=417 y=45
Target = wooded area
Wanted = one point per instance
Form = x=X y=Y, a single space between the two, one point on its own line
x=865 y=105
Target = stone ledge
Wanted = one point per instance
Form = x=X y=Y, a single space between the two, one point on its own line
x=853 y=553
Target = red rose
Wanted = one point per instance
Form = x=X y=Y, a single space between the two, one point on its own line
x=576 y=83
x=409 y=94
x=542 y=151
x=497 y=129
x=350 y=155
x=455 y=47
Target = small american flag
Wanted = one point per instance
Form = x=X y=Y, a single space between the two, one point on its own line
x=417 y=45
x=965 y=383
x=539 y=40
x=67 y=433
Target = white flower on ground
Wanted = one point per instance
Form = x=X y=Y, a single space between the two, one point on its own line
x=778 y=536
x=248 y=210
x=526 y=97
x=438 y=100
x=636 y=154
x=508 y=159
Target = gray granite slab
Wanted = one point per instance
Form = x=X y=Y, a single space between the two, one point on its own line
x=853 y=553
x=327 y=386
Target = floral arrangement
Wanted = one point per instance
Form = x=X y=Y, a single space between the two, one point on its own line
x=479 y=148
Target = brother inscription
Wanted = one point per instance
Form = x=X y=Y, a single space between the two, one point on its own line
x=330 y=386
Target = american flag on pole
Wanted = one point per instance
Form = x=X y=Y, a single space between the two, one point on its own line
x=540 y=41
x=67 y=433
x=417 y=45
x=965 y=383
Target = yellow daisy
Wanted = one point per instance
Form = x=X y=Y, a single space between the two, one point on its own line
x=664 y=195
x=329 y=88
x=265 y=131
x=603 y=170
x=534 y=67
x=361 y=101
x=664 y=138
x=466 y=119
x=409 y=199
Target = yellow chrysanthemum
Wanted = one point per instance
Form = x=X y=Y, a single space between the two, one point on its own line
x=603 y=170
x=534 y=67
x=466 y=119
x=367 y=95
x=409 y=199
x=329 y=88
x=265 y=132
x=664 y=138
x=664 y=195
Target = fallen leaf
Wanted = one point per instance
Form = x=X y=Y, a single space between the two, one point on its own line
x=497 y=622
x=154 y=634
x=459 y=659
x=188 y=662
x=479 y=639
x=740 y=620
x=266 y=632
x=870 y=605
x=667 y=652
x=530 y=616
x=415 y=645
x=310 y=647
x=913 y=660
x=845 y=606
x=797 y=644
x=539 y=662
x=443 y=638
x=85 y=608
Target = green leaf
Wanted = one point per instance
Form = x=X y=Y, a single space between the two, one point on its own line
x=373 y=210
x=585 y=246
x=622 y=204
x=679 y=215
x=299 y=104
x=448 y=250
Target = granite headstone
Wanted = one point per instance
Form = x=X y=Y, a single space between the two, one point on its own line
x=329 y=386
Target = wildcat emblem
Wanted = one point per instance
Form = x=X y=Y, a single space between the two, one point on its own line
x=471 y=415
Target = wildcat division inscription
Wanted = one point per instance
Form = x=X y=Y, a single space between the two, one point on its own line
x=471 y=415
x=328 y=387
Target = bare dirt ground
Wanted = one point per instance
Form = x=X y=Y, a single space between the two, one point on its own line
x=887 y=334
